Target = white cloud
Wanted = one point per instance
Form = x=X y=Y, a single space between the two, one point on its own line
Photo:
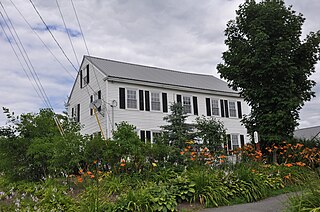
x=183 y=35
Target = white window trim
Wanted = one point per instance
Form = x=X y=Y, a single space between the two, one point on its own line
x=236 y=109
x=238 y=138
x=219 y=109
x=160 y=100
x=191 y=105
x=126 y=98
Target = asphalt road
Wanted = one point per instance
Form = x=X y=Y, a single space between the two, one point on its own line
x=277 y=203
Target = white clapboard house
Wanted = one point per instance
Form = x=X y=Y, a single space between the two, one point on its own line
x=142 y=95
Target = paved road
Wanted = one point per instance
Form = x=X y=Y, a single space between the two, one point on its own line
x=277 y=203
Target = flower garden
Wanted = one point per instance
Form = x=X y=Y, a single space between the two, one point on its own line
x=125 y=174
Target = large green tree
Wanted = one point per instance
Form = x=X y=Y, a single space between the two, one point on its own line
x=270 y=65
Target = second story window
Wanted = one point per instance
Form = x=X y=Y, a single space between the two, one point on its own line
x=232 y=109
x=132 y=99
x=215 y=107
x=187 y=104
x=155 y=101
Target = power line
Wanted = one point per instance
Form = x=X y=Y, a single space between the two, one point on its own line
x=45 y=45
x=65 y=26
x=75 y=12
x=52 y=35
x=16 y=54
x=27 y=60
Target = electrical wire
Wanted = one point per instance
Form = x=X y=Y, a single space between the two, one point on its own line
x=68 y=33
x=34 y=7
x=44 y=44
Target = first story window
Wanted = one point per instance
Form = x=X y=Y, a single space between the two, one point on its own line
x=132 y=99
x=235 y=141
x=155 y=101
x=187 y=104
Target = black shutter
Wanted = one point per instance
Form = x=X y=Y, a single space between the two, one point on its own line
x=242 y=140
x=141 y=103
x=222 y=107
x=72 y=112
x=122 y=98
x=208 y=106
x=99 y=94
x=226 y=108
x=148 y=135
x=195 y=105
x=88 y=74
x=143 y=135
x=164 y=102
x=91 y=100
x=80 y=79
x=229 y=141
x=179 y=98
x=239 y=110
x=78 y=113
x=147 y=101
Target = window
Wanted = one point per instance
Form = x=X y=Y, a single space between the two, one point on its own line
x=232 y=109
x=235 y=141
x=155 y=101
x=215 y=107
x=132 y=99
x=187 y=104
x=155 y=135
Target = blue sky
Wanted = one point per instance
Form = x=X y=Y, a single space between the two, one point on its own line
x=181 y=35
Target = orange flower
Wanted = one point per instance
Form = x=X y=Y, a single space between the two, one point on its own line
x=221 y=161
x=181 y=153
x=222 y=156
x=192 y=158
x=80 y=171
x=91 y=176
x=193 y=153
x=80 y=179
x=186 y=150
x=89 y=172
x=288 y=164
x=95 y=161
x=123 y=161
x=287 y=176
x=269 y=150
x=122 y=164
x=300 y=164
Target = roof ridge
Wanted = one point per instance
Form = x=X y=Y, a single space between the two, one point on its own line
x=154 y=67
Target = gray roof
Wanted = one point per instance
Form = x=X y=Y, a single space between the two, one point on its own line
x=159 y=75
x=307 y=133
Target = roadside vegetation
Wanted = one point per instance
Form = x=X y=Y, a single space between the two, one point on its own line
x=44 y=171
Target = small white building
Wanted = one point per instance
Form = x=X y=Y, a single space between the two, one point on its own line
x=142 y=95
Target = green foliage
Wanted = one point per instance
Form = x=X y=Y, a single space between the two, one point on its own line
x=32 y=147
x=269 y=65
x=177 y=132
x=126 y=146
x=212 y=132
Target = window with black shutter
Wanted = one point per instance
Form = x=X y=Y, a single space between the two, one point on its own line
x=179 y=100
x=208 y=106
x=239 y=110
x=148 y=136
x=222 y=107
x=147 y=100
x=122 y=98
x=229 y=142
x=164 y=102
x=226 y=109
x=80 y=79
x=91 y=110
x=142 y=135
x=87 y=79
x=78 y=113
x=195 y=105
x=242 y=140
x=141 y=102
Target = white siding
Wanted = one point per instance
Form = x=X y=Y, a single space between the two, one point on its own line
x=143 y=120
